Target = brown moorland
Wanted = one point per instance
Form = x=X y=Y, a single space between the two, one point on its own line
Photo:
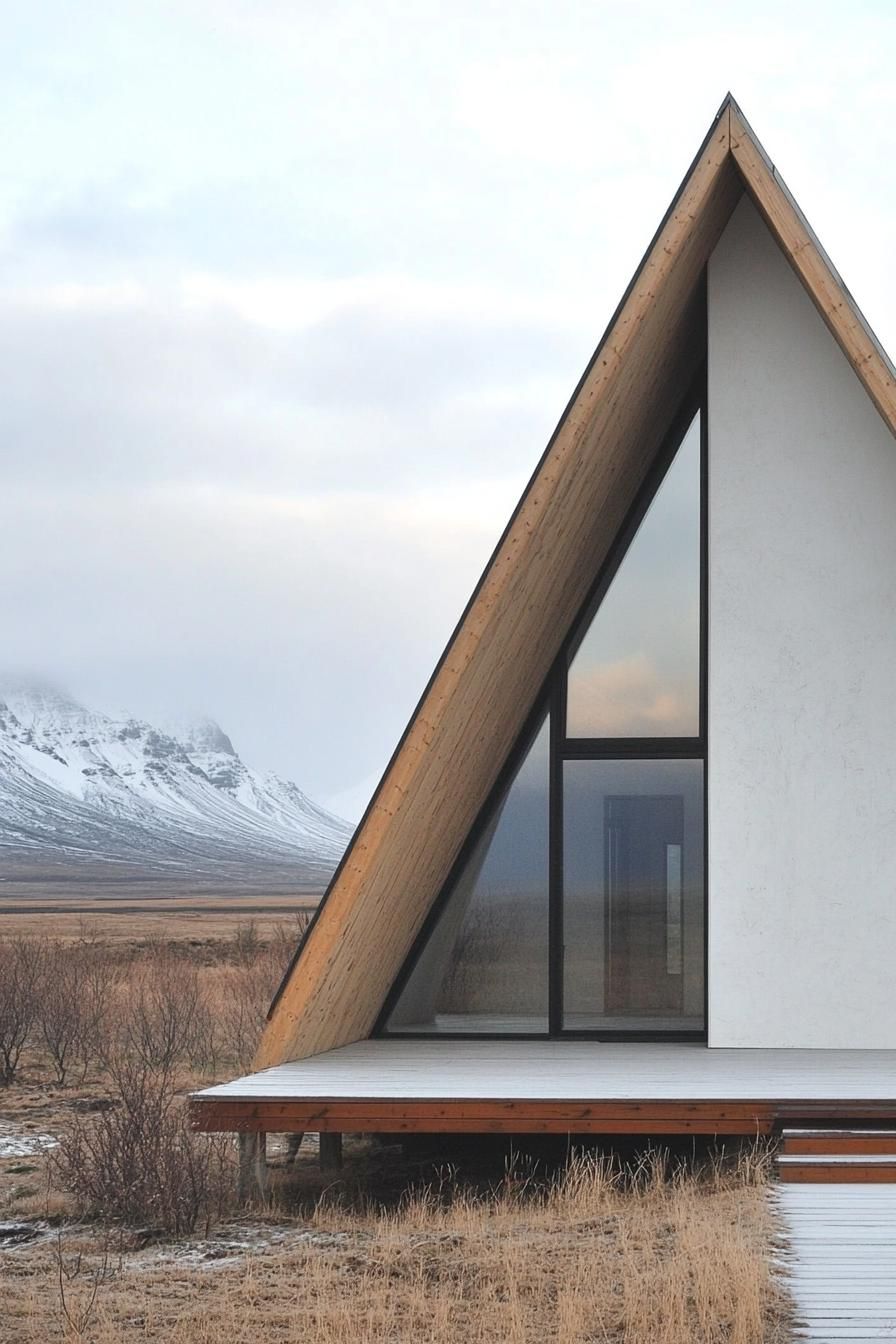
x=394 y=1249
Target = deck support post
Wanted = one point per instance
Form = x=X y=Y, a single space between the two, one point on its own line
x=292 y=1148
x=252 y=1180
x=330 y=1152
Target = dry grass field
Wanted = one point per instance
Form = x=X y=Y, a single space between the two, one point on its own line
x=97 y=1168
x=168 y=916
x=583 y=1259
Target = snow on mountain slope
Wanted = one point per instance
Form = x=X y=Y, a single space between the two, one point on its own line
x=76 y=785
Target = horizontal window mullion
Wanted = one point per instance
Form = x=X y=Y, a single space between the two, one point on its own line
x=648 y=1037
x=619 y=748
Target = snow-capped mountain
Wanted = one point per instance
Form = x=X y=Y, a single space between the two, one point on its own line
x=79 y=787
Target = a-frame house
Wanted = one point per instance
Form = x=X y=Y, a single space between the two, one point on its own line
x=644 y=815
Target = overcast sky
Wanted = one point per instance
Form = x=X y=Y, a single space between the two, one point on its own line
x=294 y=293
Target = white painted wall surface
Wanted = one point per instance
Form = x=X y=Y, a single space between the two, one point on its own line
x=802 y=670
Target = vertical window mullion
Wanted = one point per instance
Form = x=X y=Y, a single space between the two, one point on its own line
x=555 y=865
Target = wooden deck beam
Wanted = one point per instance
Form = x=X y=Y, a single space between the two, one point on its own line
x=229 y=1115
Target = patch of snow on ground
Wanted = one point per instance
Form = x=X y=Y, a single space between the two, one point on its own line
x=16 y=1142
x=14 y=1235
x=229 y=1246
x=232 y=1245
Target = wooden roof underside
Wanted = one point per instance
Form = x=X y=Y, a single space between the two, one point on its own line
x=496 y=662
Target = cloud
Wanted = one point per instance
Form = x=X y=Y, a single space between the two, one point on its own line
x=293 y=295
x=628 y=698
x=306 y=621
x=225 y=501
x=107 y=383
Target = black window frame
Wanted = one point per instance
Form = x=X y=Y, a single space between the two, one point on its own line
x=552 y=700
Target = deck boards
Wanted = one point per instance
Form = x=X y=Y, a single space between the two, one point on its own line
x=554 y=1087
x=840 y=1260
x=396 y=1070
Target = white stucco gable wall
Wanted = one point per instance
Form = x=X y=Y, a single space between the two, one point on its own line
x=802 y=670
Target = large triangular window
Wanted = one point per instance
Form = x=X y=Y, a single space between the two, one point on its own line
x=636 y=670
x=577 y=905
x=484 y=963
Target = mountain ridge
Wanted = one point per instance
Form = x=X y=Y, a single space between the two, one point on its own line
x=79 y=788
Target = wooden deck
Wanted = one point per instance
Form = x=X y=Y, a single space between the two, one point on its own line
x=837 y=1154
x=840 y=1259
x=578 y=1087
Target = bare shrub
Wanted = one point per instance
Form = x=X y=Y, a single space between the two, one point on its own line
x=76 y=1001
x=286 y=936
x=79 y=1283
x=156 y=1017
x=241 y=1008
x=204 y=1047
x=74 y=993
x=101 y=974
x=22 y=963
x=246 y=940
x=240 y=1000
x=139 y=1164
x=238 y=995
x=136 y=1163
x=62 y=1010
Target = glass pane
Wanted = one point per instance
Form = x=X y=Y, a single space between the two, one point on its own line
x=485 y=966
x=636 y=672
x=633 y=895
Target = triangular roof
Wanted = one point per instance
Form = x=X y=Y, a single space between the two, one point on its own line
x=501 y=652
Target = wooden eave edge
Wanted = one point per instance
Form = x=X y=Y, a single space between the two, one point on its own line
x=729 y=142
x=598 y=381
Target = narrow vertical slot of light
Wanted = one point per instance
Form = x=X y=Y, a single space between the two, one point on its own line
x=673 y=910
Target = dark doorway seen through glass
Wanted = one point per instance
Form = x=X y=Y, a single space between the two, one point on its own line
x=633 y=895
